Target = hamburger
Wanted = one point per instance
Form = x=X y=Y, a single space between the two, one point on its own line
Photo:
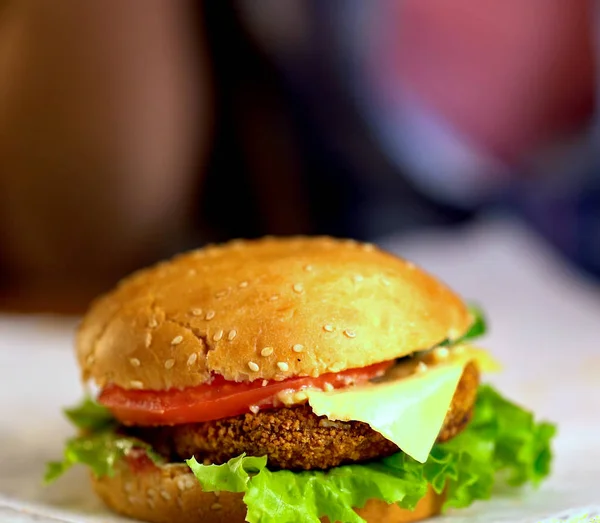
x=292 y=380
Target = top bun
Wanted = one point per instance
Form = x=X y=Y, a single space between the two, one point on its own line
x=264 y=309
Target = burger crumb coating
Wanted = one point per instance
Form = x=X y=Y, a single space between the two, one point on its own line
x=295 y=438
x=292 y=438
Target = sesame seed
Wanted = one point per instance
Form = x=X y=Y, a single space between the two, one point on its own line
x=209 y=315
x=274 y=297
x=165 y=495
x=254 y=409
x=132 y=500
x=185 y=482
x=385 y=281
x=298 y=347
x=267 y=351
x=169 y=364
x=328 y=387
x=368 y=247
x=232 y=334
x=148 y=339
x=264 y=383
x=298 y=288
x=192 y=359
x=328 y=328
x=192 y=272
x=216 y=506
x=349 y=333
x=458 y=349
x=283 y=366
x=336 y=367
x=217 y=493
x=90 y=359
x=196 y=312
x=151 y=492
x=151 y=503
x=308 y=268
x=177 y=340
x=135 y=384
x=128 y=487
x=441 y=353
x=134 y=362
x=253 y=366
x=358 y=278
x=152 y=323
x=243 y=284
x=410 y=265
x=421 y=367
x=221 y=294
x=218 y=335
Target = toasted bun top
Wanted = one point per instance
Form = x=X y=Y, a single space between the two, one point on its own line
x=264 y=309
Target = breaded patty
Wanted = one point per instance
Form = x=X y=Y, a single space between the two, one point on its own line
x=294 y=437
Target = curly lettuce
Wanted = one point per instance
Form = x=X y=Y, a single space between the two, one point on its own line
x=98 y=445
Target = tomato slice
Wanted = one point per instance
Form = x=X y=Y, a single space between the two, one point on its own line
x=219 y=399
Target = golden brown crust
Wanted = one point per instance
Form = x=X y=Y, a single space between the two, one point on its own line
x=463 y=403
x=342 y=305
x=171 y=493
x=293 y=438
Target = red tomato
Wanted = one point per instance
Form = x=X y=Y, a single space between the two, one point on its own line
x=219 y=399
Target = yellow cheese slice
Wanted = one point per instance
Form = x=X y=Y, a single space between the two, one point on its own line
x=408 y=408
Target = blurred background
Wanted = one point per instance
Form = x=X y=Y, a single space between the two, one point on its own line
x=130 y=131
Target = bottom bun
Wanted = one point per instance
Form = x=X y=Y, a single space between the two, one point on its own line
x=171 y=493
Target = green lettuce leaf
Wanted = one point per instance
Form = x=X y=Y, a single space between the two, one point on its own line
x=285 y=496
x=233 y=476
x=98 y=446
x=99 y=451
x=479 y=326
x=521 y=446
x=90 y=416
x=502 y=438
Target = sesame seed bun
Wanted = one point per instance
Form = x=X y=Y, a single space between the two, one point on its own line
x=264 y=309
x=172 y=493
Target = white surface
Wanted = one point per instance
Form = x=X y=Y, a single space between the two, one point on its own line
x=545 y=327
